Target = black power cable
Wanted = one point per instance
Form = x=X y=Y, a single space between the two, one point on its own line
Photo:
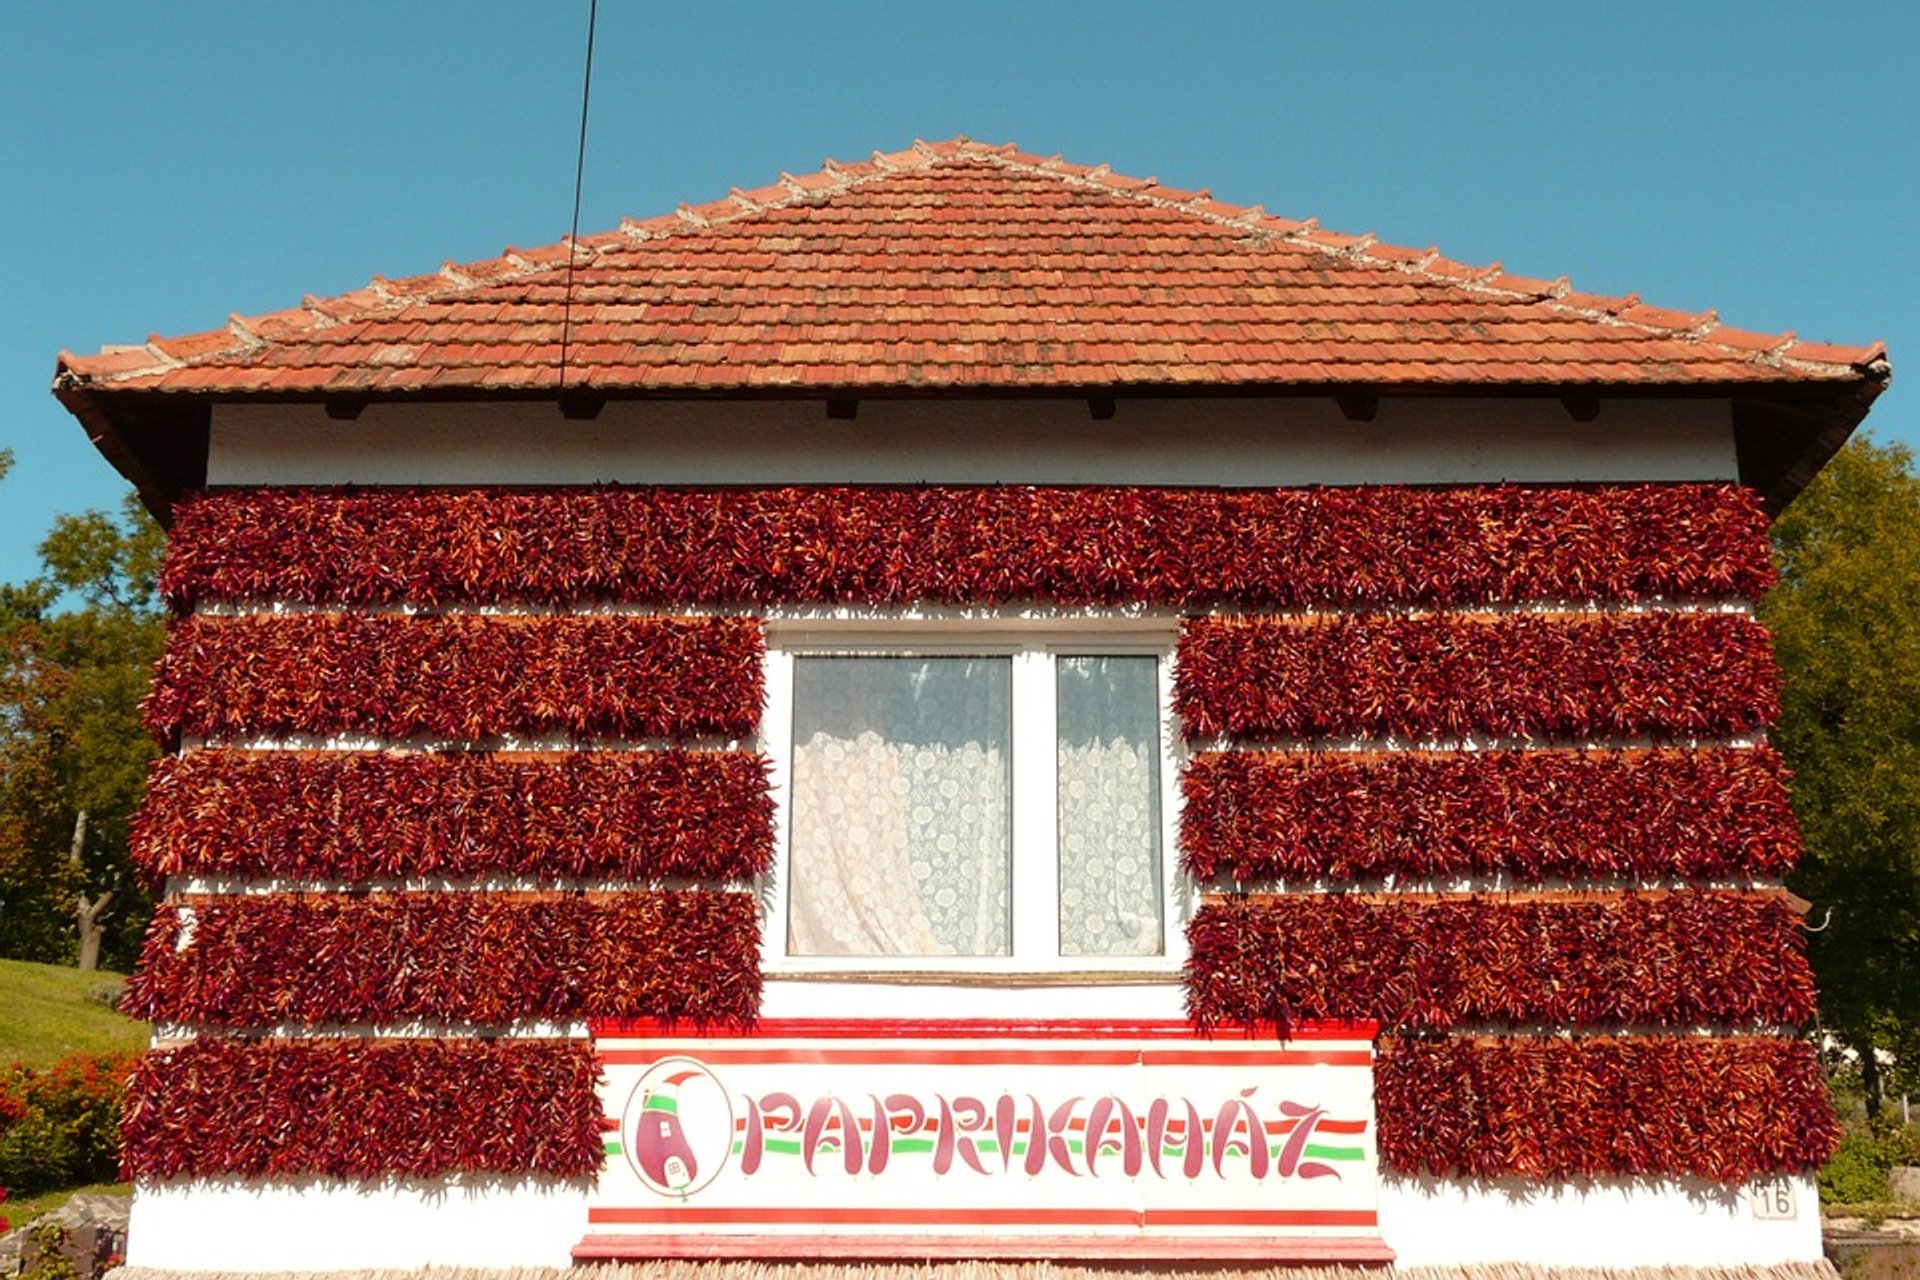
x=579 y=175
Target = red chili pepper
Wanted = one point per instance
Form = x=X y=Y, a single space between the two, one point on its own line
x=1724 y=1108
x=970 y=545
x=1692 y=814
x=355 y=816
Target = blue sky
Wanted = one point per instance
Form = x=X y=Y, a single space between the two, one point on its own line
x=164 y=165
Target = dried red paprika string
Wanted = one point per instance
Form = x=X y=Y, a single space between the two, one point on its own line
x=971 y=545
x=1551 y=1108
x=356 y=816
x=461 y=677
x=1436 y=676
x=1634 y=815
x=363 y=1110
x=1685 y=959
x=472 y=679
x=262 y=960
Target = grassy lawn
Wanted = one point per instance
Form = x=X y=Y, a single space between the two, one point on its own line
x=45 y=1014
x=21 y=1212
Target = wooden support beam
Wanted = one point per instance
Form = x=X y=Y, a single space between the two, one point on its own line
x=1358 y=406
x=1581 y=408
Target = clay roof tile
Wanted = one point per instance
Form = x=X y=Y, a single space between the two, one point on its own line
x=878 y=263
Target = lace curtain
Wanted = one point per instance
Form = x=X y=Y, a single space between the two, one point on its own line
x=1109 y=806
x=902 y=805
x=901 y=835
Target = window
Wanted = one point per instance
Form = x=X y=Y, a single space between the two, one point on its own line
x=961 y=801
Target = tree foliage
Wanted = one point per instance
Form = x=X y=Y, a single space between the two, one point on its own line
x=1846 y=619
x=76 y=644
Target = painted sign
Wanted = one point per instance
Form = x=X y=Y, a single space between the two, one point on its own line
x=966 y=1140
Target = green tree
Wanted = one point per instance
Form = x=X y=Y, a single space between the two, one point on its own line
x=77 y=643
x=1846 y=622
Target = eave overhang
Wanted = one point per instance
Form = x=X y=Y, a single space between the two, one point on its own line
x=1783 y=432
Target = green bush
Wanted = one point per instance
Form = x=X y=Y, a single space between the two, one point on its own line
x=61 y=1127
x=1857 y=1173
x=1903 y=1145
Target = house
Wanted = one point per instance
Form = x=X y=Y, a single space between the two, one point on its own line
x=964 y=705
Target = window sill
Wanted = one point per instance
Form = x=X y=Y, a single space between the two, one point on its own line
x=982 y=978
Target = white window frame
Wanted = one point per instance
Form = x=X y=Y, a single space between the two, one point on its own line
x=1032 y=643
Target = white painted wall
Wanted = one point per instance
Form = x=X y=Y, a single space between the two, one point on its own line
x=1304 y=440
x=1610 y=1222
x=228 y=1226
x=316 y=1226
x=312 y=1226
x=1028 y=998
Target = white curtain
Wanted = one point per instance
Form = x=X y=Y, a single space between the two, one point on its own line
x=901 y=836
x=1109 y=806
x=902 y=804
x=1109 y=863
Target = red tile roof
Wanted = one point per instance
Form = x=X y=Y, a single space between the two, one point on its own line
x=958 y=265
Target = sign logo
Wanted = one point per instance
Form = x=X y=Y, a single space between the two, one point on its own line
x=678 y=1129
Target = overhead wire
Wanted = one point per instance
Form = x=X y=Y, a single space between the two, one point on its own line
x=579 y=177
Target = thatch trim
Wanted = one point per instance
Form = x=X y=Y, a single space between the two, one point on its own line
x=973 y=1270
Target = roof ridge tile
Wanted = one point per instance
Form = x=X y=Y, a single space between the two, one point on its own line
x=641 y=229
x=242 y=329
x=908 y=161
x=318 y=305
x=596 y=243
x=156 y=348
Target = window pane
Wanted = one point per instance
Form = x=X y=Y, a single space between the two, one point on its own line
x=1109 y=725
x=902 y=836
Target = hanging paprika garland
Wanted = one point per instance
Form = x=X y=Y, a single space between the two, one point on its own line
x=260 y=960
x=1674 y=959
x=970 y=545
x=461 y=677
x=355 y=816
x=1537 y=1107
x=1633 y=815
x=1723 y=1108
x=1441 y=676
x=364 y=1110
